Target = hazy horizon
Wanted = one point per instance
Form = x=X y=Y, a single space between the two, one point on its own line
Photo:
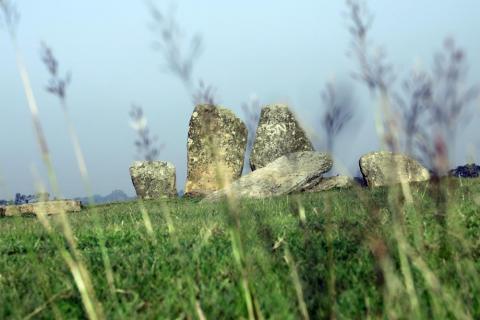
x=279 y=51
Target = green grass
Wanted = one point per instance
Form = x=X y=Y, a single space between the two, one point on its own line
x=353 y=253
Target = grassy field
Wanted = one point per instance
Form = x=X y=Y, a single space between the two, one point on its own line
x=340 y=254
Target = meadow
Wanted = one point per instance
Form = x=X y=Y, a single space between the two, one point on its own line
x=342 y=254
x=404 y=252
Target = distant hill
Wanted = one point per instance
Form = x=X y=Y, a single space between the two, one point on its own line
x=114 y=196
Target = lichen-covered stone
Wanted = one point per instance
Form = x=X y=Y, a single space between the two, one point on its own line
x=217 y=141
x=330 y=183
x=387 y=168
x=153 y=179
x=278 y=133
x=47 y=207
x=288 y=174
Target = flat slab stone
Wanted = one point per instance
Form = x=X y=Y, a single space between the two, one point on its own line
x=48 y=207
x=288 y=174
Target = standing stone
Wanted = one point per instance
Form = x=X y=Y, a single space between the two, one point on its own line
x=291 y=173
x=217 y=141
x=153 y=179
x=387 y=168
x=278 y=134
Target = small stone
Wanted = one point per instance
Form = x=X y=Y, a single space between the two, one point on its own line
x=387 y=168
x=153 y=179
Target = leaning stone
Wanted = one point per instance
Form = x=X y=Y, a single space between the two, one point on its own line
x=217 y=141
x=387 y=168
x=330 y=183
x=153 y=179
x=48 y=208
x=278 y=133
x=288 y=174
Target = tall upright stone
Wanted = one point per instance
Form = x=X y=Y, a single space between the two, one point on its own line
x=217 y=141
x=153 y=179
x=387 y=168
x=278 y=134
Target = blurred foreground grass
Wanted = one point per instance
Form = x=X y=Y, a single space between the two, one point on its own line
x=352 y=253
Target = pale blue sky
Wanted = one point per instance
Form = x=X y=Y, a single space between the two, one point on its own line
x=279 y=50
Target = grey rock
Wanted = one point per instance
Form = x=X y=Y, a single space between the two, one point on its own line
x=278 y=133
x=288 y=174
x=217 y=140
x=153 y=179
x=330 y=183
x=45 y=207
x=387 y=168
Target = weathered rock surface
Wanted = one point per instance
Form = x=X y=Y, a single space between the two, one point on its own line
x=217 y=140
x=153 y=179
x=467 y=171
x=48 y=207
x=290 y=173
x=387 y=168
x=278 y=134
x=329 y=183
x=2 y=212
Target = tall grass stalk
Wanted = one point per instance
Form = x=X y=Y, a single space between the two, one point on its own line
x=329 y=235
x=238 y=250
x=179 y=55
x=47 y=304
x=146 y=150
x=146 y=219
x=449 y=300
x=58 y=87
x=36 y=260
x=297 y=283
x=407 y=273
x=79 y=272
x=235 y=229
x=73 y=259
